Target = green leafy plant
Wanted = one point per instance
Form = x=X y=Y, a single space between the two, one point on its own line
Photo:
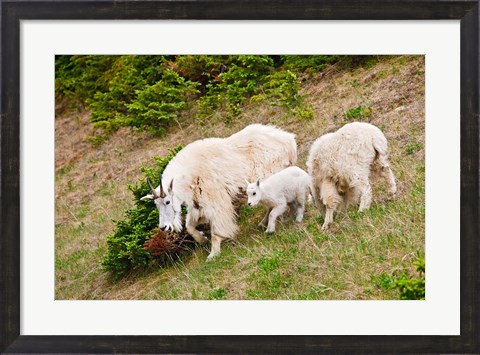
x=218 y=294
x=231 y=88
x=201 y=69
x=269 y=263
x=109 y=106
x=134 y=91
x=243 y=80
x=125 y=246
x=304 y=112
x=255 y=78
x=157 y=105
x=384 y=281
x=413 y=287
x=283 y=86
x=80 y=77
x=151 y=92
x=309 y=63
x=357 y=112
x=313 y=64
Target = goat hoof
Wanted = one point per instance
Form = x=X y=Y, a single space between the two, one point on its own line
x=211 y=256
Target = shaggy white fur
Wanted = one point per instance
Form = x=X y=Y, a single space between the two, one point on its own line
x=207 y=176
x=278 y=192
x=340 y=165
x=267 y=149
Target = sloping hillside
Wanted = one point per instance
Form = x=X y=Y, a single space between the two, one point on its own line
x=357 y=259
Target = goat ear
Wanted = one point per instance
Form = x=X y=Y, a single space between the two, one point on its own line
x=147 y=197
x=247 y=182
x=170 y=187
x=258 y=182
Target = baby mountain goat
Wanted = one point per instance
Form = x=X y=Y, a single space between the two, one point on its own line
x=279 y=192
x=340 y=164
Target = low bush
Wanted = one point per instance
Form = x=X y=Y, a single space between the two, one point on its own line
x=310 y=63
x=79 y=77
x=357 y=112
x=157 y=105
x=151 y=92
x=126 y=245
x=412 y=287
x=134 y=91
x=243 y=78
x=283 y=87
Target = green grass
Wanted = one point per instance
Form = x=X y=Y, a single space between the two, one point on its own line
x=358 y=258
x=301 y=261
x=64 y=170
x=355 y=261
x=412 y=148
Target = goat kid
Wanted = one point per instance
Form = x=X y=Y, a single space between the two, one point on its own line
x=279 y=192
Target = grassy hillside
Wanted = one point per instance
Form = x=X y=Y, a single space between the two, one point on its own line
x=359 y=256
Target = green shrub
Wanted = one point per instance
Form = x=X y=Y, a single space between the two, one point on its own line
x=357 y=112
x=150 y=92
x=109 y=106
x=304 y=112
x=157 y=105
x=255 y=78
x=134 y=91
x=217 y=294
x=412 y=148
x=208 y=104
x=80 y=77
x=309 y=63
x=283 y=87
x=413 y=287
x=142 y=93
x=384 y=281
x=243 y=79
x=200 y=68
x=125 y=246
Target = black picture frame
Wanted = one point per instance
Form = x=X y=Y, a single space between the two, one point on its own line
x=12 y=12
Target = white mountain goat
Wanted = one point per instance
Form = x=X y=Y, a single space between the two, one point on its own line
x=207 y=176
x=279 y=192
x=266 y=148
x=340 y=165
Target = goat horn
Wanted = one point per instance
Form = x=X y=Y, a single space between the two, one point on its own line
x=154 y=193
x=162 y=193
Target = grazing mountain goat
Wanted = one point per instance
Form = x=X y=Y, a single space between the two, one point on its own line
x=207 y=176
x=340 y=164
x=285 y=189
x=266 y=148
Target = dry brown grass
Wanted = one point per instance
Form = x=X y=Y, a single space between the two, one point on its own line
x=91 y=192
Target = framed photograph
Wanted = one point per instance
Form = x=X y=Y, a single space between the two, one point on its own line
x=143 y=142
